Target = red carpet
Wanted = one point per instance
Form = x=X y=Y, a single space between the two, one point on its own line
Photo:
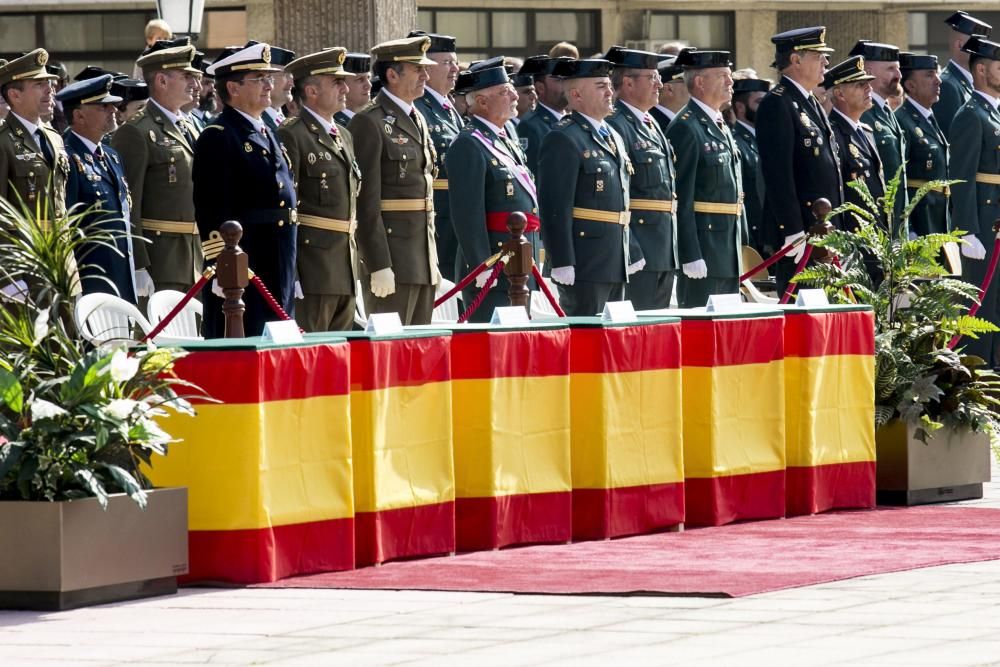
x=733 y=560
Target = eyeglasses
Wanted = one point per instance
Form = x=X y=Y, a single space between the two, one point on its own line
x=269 y=80
x=655 y=78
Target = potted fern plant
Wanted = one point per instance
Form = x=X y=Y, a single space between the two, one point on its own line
x=79 y=523
x=936 y=407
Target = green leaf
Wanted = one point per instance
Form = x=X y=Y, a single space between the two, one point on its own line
x=11 y=393
x=128 y=484
x=93 y=484
x=10 y=456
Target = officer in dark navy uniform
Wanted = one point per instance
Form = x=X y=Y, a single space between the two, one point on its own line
x=97 y=179
x=241 y=173
x=956 y=81
x=747 y=95
x=850 y=88
x=549 y=110
x=674 y=94
x=489 y=180
x=652 y=192
x=583 y=186
x=798 y=153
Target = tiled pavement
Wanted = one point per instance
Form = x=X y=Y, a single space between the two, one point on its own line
x=936 y=616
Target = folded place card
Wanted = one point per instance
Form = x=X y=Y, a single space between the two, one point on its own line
x=618 y=311
x=282 y=331
x=384 y=324
x=720 y=303
x=507 y=315
x=812 y=298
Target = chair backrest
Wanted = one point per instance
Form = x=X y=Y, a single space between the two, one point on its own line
x=447 y=312
x=185 y=324
x=103 y=318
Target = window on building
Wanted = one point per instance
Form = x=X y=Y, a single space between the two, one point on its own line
x=930 y=34
x=512 y=32
x=709 y=31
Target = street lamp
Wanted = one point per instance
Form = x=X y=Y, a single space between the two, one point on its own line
x=183 y=16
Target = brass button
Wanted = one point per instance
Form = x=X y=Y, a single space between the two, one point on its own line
x=281 y=223
x=264 y=151
x=809 y=203
x=323 y=175
x=710 y=226
x=581 y=233
x=306 y=241
x=281 y=204
x=171 y=159
x=598 y=170
x=641 y=221
x=499 y=243
x=280 y=185
x=534 y=210
x=781 y=226
x=157 y=233
x=388 y=230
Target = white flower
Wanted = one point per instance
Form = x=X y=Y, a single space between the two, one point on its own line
x=41 y=328
x=42 y=409
x=121 y=408
x=123 y=367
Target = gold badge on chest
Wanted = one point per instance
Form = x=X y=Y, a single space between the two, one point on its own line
x=311 y=158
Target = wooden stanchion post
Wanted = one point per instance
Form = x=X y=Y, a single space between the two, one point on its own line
x=820 y=209
x=519 y=263
x=232 y=272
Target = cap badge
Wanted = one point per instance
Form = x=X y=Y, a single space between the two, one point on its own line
x=822 y=36
x=265 y=54
x=861 y=64
x=341 y=57
x=425 y=44
x=42 y=58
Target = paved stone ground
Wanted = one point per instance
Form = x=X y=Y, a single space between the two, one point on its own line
x=936 y=616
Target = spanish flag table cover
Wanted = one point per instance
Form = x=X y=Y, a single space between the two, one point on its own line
x=627 y=435
x=511 y=401
x=830 y=404
x=268 y=468
x=734 y=414
x=401 y=412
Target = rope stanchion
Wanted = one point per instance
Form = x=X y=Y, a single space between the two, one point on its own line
x=790 y=290
x=482 y=292
x=546 y=291
x=464 y=282
x=994 y=257
x=773 y=258
x=197 y=287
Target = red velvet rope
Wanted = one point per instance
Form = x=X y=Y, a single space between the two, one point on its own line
x=462 y=284
x=798 y=269
x=269 y=298
x=177 y=309
x=546 y=291
x=772 y=259
x=497 y=268
x=994 y=256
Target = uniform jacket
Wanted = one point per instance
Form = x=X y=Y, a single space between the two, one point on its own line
x=798 y=161
x=927 y=158
x=24 y=173
x=890 y=140
x=397 y=162
x=975 y=148
x=341 y=118
x=532 y=130
x=653 y=161
x=328 y=180
x=480 y=184
x=708 y=170
x=955 y=92
x=746 y=142
x=158 y=159
x=101 y=184
x=859 y=161
x=443 y=125
x=244 y=175
x=661 y=119
x=578 y=168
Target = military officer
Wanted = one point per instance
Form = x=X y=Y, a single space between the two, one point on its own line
x=747 y=95
x=798 y=154
x=975 y=160
x=281 y=93
x=33 y=162
x=359 y=86
x=927 y=154
x=956 y=81
x=97 y=182
x=586 y=235
x=241 y=173
x=882 y=62
x=651 y=190
x=524 y=84
x=444 y=123
x=398 y=257
x=157 y=148
x=851 y=94
x=549 y=109
x=489 y=180
x=328 y=180
x=673 y=96
x=711 y=225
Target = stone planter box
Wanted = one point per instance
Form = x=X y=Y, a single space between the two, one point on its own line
x=950 y=466
x=64 y=555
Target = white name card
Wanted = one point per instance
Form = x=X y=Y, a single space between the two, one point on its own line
x=618 y=311
x=812 y=298
x=282 y=331
x=720 y=303
x=384 y=324
x=509 y=315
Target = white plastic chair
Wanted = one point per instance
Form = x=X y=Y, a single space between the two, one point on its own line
x=103 y=318
x=447 y=312
x=540 y=306
x=185 y=325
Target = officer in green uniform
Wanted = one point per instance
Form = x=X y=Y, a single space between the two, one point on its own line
x=882 y=62
x=583 y=194
x=651 y=191
x=398 y=257
x=327 y=181
x=359 y=86
x=157 y=147
x=33 y=161
x=711 y=225
x=927 y=153
x=489 y=180
x=444 y=124
x=975 y=160
x=549 y=109
x=747 y=94
x=956 y=81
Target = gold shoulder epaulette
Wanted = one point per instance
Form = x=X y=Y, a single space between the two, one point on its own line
x=686 y=115
x=779 y=89
x=291 y=122
x=368 y=107
x=139 y=115
x=217 y=127
x=865 y=126
x=564 y=122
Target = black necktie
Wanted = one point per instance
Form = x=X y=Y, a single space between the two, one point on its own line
x=416 y=121
x=185 y=129
x=43 y=144
x=937 y=128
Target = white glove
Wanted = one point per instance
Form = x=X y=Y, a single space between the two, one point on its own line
x=973 y=247
x=143 y=283
x=697 y=269
x=298 y=290
x=216 y=290
x=383 y=283
x=564 y=275
x=635 y=267
x=481 y=279
x=796 y=254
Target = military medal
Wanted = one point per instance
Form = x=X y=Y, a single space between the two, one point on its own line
x=247 y=147
x=878 y=126
x=388 y=129
x=930 y=165
x=804 y=118
x=327 y=156
x=996 y=132
x=311 y=158
x=816 y=152
x=586 y=154
x=152 y=136
x=510 y=188
x=854 y=151
x=600 y=185
x=918 y=132
x=807 y=142
x=172 y=173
